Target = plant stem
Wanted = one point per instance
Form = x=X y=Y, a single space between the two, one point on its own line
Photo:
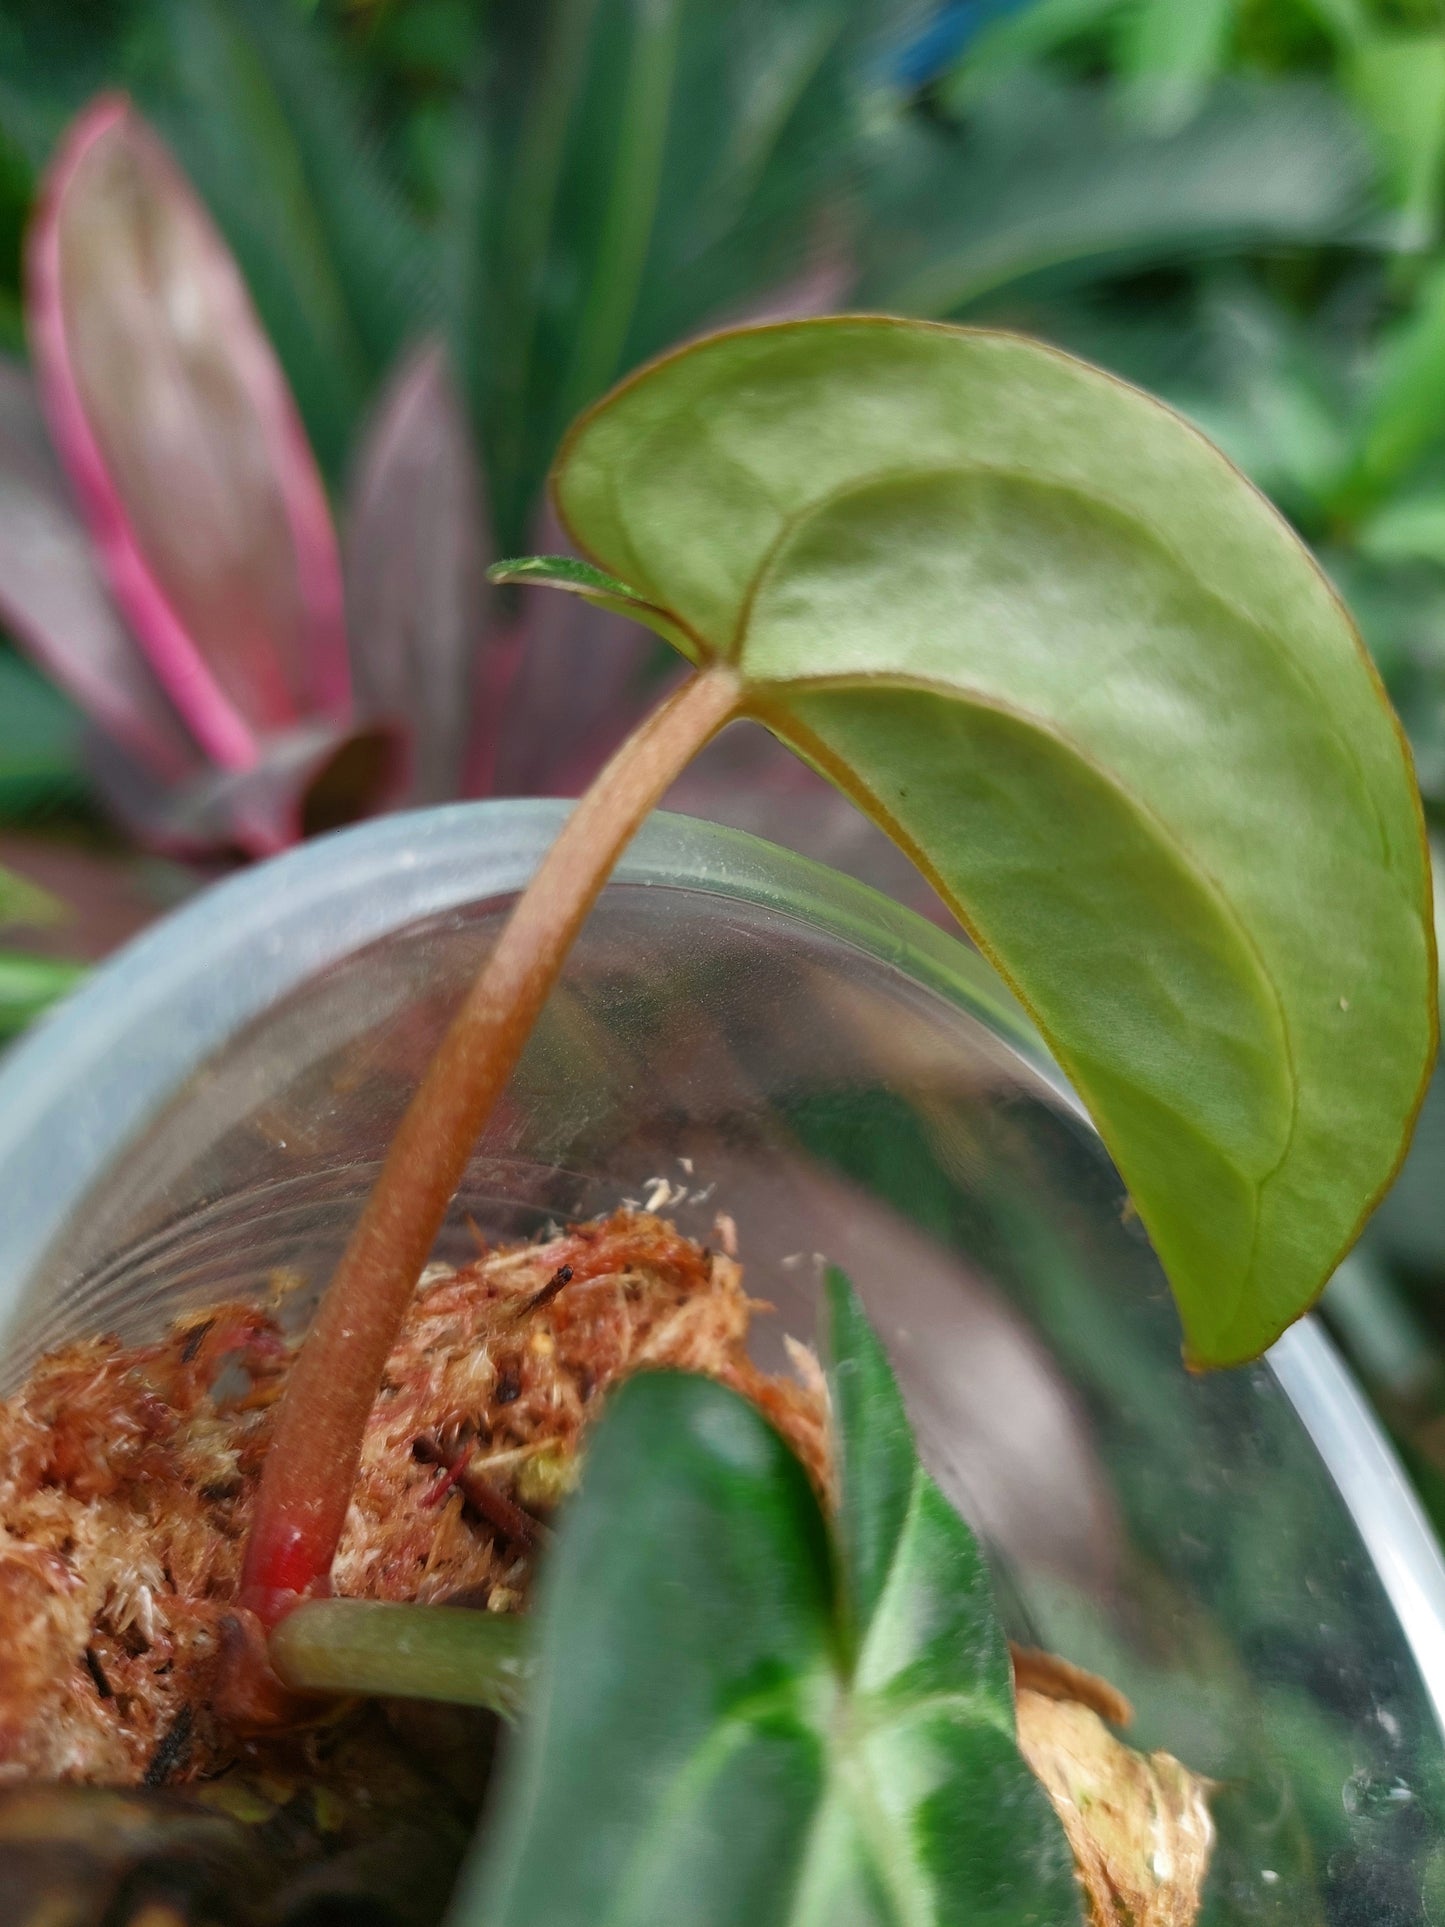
x=369 y=1648
x=310 y=1470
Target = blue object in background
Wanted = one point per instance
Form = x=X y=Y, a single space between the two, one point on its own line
x=953 y=26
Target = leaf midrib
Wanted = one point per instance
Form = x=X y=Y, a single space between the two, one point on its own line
x=846 y=1723
x=852 y=1781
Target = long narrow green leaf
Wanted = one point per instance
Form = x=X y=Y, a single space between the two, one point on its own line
x=1170 y=55
x=1399 y=82
x=644 y=111
x=1406 y=410
x=653 y=163
x=29 y=986
x=1051 y=180
x=1019 y=37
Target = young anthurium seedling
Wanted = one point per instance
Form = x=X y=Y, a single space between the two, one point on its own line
x=745 y=1713
x=1046 y=636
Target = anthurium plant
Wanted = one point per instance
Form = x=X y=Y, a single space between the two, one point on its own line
x=1041 y=630
x=1035 y=626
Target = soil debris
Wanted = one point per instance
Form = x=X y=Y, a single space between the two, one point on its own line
x=1138 y=1824
x=1059 y=1679
x=127 y=1475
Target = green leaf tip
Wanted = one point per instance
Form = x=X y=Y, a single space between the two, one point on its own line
x=1045 y=635
x=560 y=572
x=596 y=586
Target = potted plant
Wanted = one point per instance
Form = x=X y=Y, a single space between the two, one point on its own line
x=1044 y=634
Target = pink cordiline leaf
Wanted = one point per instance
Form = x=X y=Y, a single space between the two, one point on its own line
x=416 y=557
x=182 y=442
x=54 y=604
x=317 y=776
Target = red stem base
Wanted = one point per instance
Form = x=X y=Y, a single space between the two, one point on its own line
x=311 y=1467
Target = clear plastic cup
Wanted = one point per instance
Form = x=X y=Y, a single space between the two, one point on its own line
x=754 y=1044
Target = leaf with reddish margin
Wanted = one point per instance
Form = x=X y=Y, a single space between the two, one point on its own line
x=1049 y=640
x=54 y=604
x=180 y=437
x=416 y=568
x=315 y=777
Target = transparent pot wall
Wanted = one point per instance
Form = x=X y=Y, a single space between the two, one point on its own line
x=743 y=1037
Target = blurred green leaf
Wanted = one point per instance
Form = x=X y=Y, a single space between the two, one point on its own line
x=1275 y=403
x=1399 y=82
x=1350 y=22
x=1406 y=406
x=1050 y=180
x=647 y=166
x=53 y=59
x=1374 y=1321
x=23 y=902
x=1407 y=528
x=29 y=986
x=40 y=742
x=990 y=592
x=737 y=1721
x=1021 y=37
x=1169 y=55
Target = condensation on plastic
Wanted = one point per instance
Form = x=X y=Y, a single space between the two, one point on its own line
x=742 y=1032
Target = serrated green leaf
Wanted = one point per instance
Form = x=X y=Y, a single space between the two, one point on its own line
x=1042 y=632
x=737 y=1721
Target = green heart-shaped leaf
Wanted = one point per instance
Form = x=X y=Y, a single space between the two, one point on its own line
x=1046 y=636
x=739 y=1720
